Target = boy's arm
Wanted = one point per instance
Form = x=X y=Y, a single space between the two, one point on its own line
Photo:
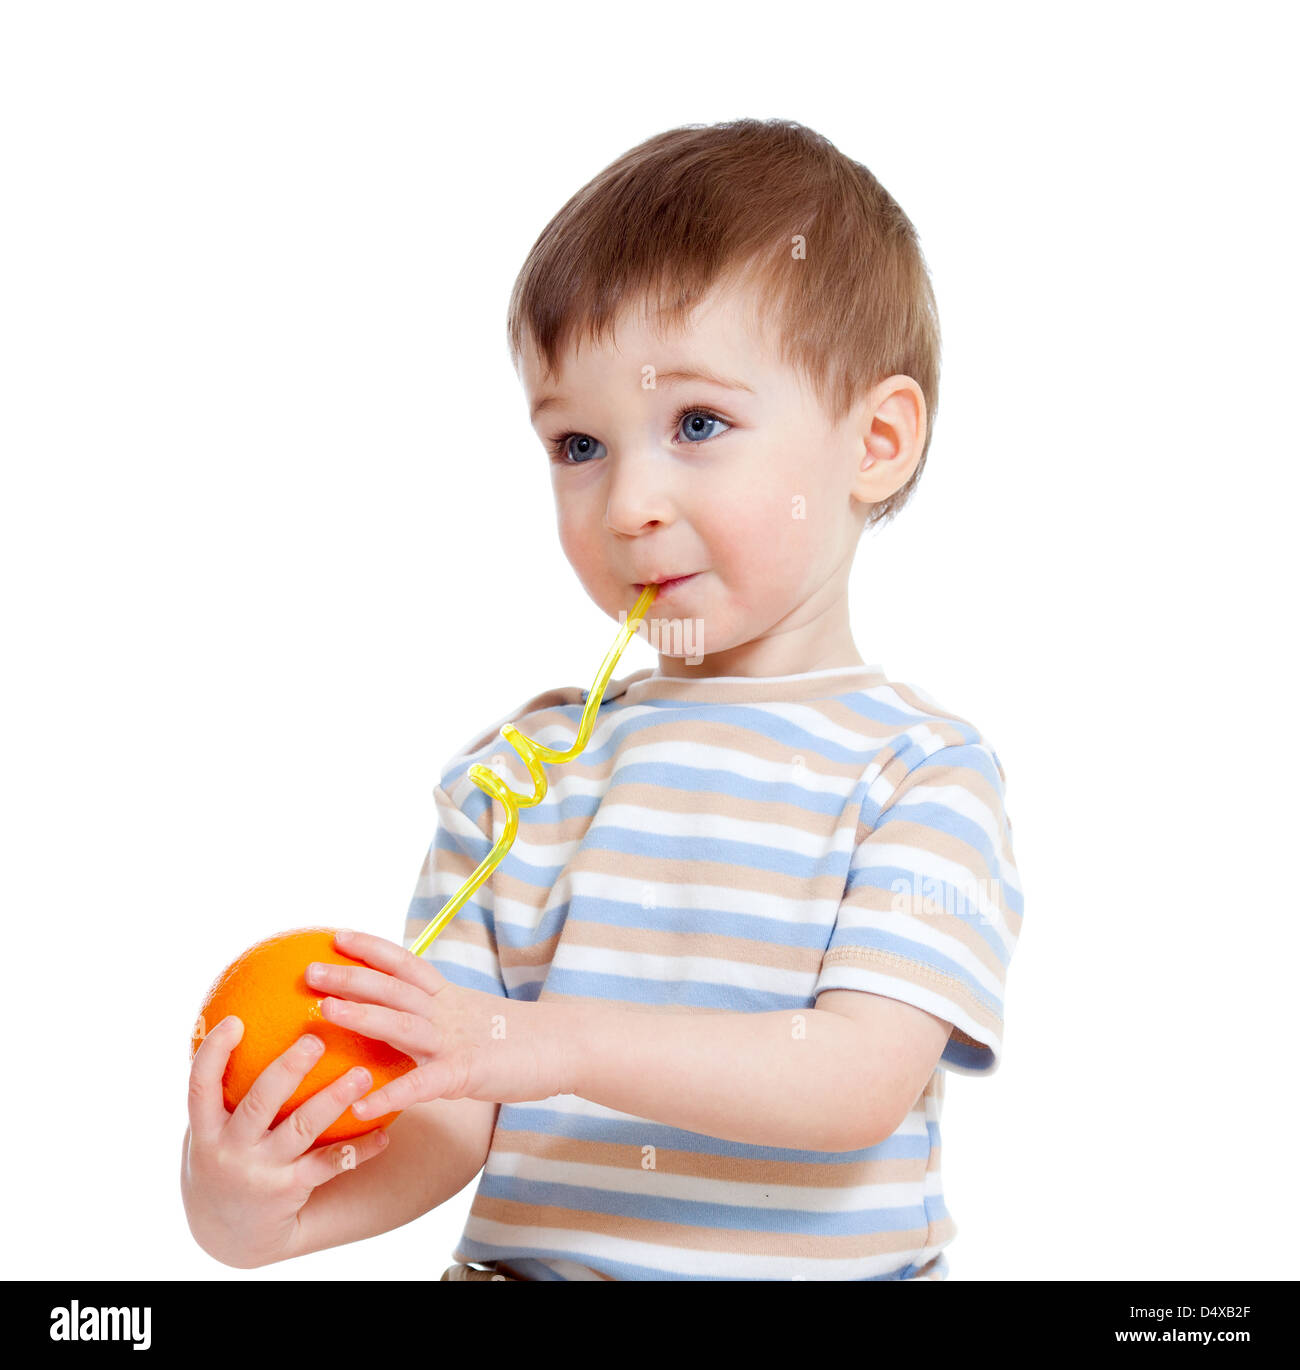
x=434 y=1150
x=837 y=1077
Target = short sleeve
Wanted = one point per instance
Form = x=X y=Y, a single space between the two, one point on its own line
x=932 y=905
x=465 y=951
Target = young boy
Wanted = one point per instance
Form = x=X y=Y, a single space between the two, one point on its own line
x=696 y=1024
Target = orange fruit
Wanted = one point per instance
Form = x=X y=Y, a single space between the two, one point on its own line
x=266 y=988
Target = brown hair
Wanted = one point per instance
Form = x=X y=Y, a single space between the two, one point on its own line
x=708 y=204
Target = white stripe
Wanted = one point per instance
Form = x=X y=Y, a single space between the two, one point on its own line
x=621 y=889
x=851 y=975
x=929 y=742
x=779 y=837
x=689 y=756
x=470 y=955
x=442 y=882
x=588 y=1247
x=670 y=970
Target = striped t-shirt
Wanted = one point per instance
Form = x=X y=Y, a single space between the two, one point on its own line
x=739 y=844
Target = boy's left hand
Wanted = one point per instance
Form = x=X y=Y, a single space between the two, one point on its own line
x=466 y=1044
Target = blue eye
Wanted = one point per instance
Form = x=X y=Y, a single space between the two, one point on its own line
x=576 y=448
x=700 y=425
x=691 y=424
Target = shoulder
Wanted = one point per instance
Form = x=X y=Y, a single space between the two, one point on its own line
x=926 y=741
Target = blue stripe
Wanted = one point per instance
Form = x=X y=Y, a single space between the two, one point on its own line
x=940 y=818
x=465 y=977
x=635 y=989
x=968 y=1059
x=876 y=939
x=529 y=1264
x=967 y=756
x=424 y=907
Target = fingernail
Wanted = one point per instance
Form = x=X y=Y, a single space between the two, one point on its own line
x=312 y=1044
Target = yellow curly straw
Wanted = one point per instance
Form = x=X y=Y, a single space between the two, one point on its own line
x=532 y=754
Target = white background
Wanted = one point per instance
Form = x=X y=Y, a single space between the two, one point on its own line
x=260 y=431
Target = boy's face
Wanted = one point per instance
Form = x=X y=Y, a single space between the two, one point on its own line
x=741 y=482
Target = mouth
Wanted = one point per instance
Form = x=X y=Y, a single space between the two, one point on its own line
x=667 y=586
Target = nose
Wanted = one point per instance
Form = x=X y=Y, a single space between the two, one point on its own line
x=639 y=495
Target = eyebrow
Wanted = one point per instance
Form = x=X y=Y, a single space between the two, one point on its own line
x=696 y=373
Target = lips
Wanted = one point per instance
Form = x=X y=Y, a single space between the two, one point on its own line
x=667 y=586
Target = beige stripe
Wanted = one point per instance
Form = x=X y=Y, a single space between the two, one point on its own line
x=739 y=808
x=888 y=963
x=698 y=1165
x=942 y=1232
x=673 y=871
x=719 y=734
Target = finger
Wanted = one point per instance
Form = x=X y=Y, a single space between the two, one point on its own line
x=301 y=1128
x=374 y=986
x=388 y=956
x=257 y=1109
x=409 y=1032
x=435 y=1080
x=207 y=1107
x=328 y=1161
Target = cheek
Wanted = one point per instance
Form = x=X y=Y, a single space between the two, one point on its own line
x=763 y=534
x=577 y=536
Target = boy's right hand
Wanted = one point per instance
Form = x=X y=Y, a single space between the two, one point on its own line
x=244 y=1185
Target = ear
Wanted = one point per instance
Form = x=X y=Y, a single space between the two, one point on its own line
x=892 y=423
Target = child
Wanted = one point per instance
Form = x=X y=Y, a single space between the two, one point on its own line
x=773 y=901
